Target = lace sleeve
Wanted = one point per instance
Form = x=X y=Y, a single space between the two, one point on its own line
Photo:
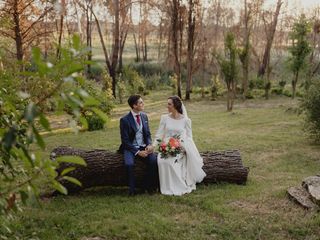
x=161 y=131
x=188 y=128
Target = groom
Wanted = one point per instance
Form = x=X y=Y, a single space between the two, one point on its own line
x=136 y=145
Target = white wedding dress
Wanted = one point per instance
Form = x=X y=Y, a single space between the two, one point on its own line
x=179 y=175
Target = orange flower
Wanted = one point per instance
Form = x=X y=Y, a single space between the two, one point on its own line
x=174 y=142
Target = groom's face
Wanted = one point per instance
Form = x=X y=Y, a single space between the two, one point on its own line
x=139 y=106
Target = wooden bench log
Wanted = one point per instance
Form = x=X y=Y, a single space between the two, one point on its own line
x=105 y=168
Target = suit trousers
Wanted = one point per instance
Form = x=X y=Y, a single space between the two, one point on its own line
x=150 y=180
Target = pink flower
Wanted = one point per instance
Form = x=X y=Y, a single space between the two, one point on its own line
x=163 y=146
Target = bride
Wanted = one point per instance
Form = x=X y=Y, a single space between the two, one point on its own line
x=178 y=174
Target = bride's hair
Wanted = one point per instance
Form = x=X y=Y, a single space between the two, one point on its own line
x=177 y=103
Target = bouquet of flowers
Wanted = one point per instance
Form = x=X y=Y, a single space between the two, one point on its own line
x=171 y=148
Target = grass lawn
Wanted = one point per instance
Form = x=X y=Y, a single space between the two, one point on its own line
x=272 y=145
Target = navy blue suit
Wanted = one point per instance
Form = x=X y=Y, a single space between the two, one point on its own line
x=128 y=129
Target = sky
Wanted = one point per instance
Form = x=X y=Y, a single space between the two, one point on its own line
x=294 y=4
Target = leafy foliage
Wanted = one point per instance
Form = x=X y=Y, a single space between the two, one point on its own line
x=300 y=48
x=228 y=64
x=311 y=106
x=20 y=117
x=133 y=80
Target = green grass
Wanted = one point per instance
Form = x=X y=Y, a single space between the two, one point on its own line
x=271 y=143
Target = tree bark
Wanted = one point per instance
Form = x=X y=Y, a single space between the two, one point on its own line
x=191 y=30
x=17 y=32
x=294 y=84
x=105 y=168
x=116 y=46
x=175 y=47
x=270 y=37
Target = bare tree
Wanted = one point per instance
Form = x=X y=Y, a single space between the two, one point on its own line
x=20 y=28
x=270 y=30
x=175 y=27
x=251 y=11
x=112 y=59
x=191 y=39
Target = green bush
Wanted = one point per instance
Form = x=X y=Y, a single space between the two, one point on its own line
x=103 y=96
x=256 y=83
x=311 y=106
x=22 y=147
x=152 y=82
x=132 y=79
x=11 y=84
x=94 y=122
x=257 y=93
x=277 y=91
x=287 y=93
x=147 y=69
x=249 y=95
x=282 y=83
x=96 y=72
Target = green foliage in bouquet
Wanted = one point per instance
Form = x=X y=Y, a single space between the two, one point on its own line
x=171 y=148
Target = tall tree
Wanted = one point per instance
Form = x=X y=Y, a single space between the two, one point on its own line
x=251 y=11
x=175 y=27
x=314 y=62
x=191 y=40
x=112 y=59
x=24 y=18
x=299 y=50
x=60 y=26
x=270 y=30
x=229 y=68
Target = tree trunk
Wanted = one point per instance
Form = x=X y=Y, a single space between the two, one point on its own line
x=136 y=48
x=175 y=47
x=116 y=45
x=294 y=85
x=105 y=168
x=270 y=37
x=191 y=29
x=123 y=38
x=145 y=48
x=17 y=34
x=160 y=39
x=89 y=39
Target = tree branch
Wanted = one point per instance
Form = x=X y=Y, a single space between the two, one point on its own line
x=25 y=33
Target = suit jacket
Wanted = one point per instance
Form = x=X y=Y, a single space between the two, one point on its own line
x=128 y=131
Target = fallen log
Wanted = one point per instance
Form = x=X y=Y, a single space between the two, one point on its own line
x=105 y=168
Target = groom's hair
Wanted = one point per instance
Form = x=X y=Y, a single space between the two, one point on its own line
x=133 y=100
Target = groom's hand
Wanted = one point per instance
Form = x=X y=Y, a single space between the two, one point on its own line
x=143 y=153
x=149 y=149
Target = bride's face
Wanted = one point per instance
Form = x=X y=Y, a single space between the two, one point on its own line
x=170 y=106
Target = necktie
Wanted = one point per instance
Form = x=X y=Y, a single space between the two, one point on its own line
x=138 y=119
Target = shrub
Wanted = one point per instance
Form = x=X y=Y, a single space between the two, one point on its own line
x=277 y=91
x=103 y=96
x=287 y=93
x=256 y=83
x=249 y=95
x=147 y=69
x=311 y=106
x=96 y=72
x=133 y=80
x=152 y=82
x=282 y=83
x=94 y=122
